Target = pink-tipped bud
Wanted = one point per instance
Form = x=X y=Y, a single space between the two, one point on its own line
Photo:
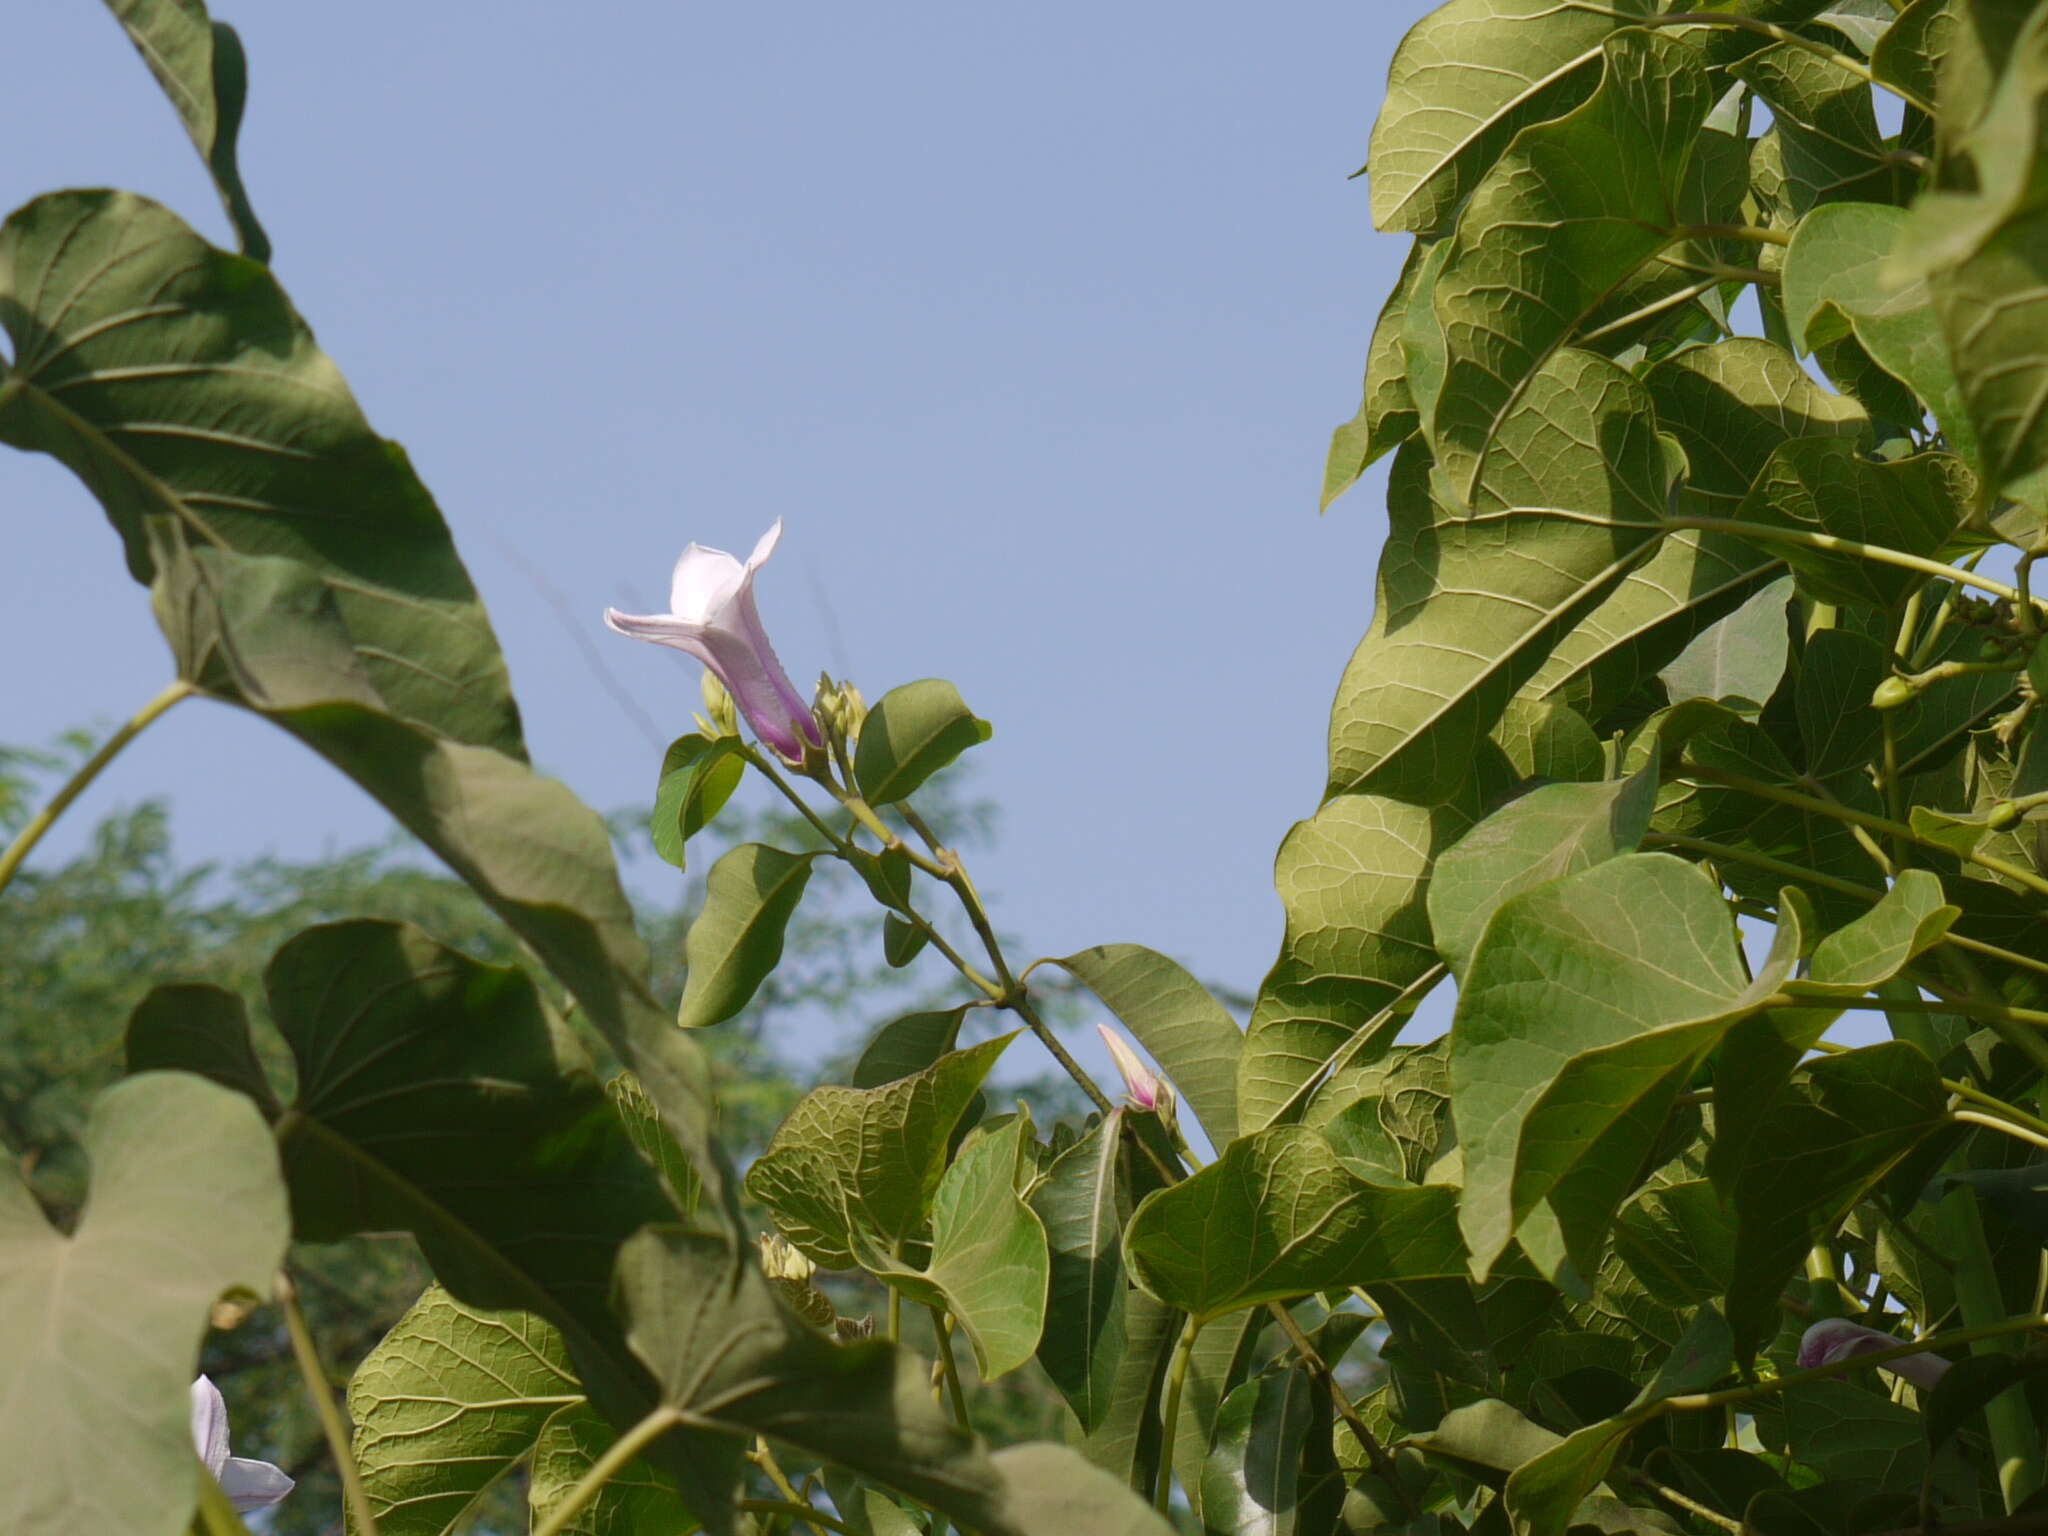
x=1144 y=1088
x=1836 y=1338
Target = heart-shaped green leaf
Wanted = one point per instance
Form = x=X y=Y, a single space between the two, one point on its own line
x=100 y=1328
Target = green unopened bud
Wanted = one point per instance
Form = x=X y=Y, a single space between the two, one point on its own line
x=725 y=719
x=1891 y=693
x=1991 y=650
x=829 y=704
x=2003 y=814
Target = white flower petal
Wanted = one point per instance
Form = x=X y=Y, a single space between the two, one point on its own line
x=252 y=1485
x=704 y=582
x=765 y=546
x=209 y=1425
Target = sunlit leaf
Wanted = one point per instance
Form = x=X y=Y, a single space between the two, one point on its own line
x=1278 y=1215
x=1465 y=79
x=1388 y=412
x=989 y=1263
x=1836 y=284
x=451 y=1399
x=912 y=732
x=1470 y=603
x=698 y=775
x=872 y=1156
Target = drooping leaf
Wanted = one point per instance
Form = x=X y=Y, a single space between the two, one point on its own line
x=441 y=1096
x=989 y=1263
x=176 y=380
x=1225 y=1354
x=1584 y=1009
x=1278 y=1215
x=912 y=732
x=901 y=942
x=1173 y=1016
x=698 y=775
x=736 y=940
x=1127 y=1441
x=1464 y=80
x=267 y=634
x=1353 y=882
x=202 y=68
x=452 y=1398
x=1551 y=832
x=655 y=1141
x=1083 y=1202
x=1253 y=1481
x=100 y=1327
x=1570 y=212
x=872 y=1156
x=1992 y=311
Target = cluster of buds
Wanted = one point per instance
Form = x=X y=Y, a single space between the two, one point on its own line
x=840 y=710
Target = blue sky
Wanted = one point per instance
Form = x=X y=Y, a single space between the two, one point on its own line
x=1031 y=322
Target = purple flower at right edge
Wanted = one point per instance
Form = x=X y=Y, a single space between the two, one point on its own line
x=1836 y=1338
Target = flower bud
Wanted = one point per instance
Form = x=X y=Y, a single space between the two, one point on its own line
x=1144 y=1088
x=725 y=719
x=1891 y=693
